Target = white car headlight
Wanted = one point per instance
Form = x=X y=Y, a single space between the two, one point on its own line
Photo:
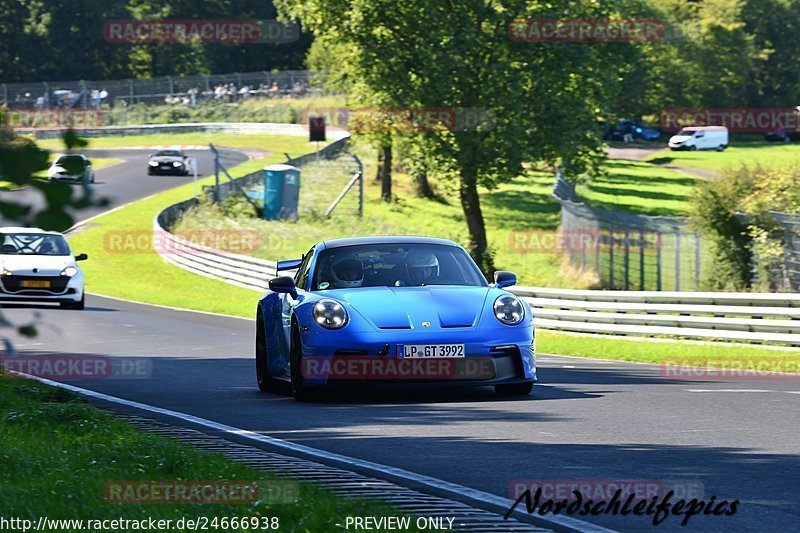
x=69 y=271
x=330 y=314
x=176 y=163
x=153 y=163
x=508 y=310
x=5 y=272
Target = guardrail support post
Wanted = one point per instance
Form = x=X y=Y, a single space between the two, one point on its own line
x=658 y=261
x=627 y=260
x=641 y=261
x=677 y=260
x=696 y=261
x=611 y=258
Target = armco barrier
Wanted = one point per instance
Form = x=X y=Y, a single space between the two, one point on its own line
x=249 y=128
x=710 y=316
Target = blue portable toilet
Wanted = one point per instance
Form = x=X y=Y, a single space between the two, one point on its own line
x=281 y=192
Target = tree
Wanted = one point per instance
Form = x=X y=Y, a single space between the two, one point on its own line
x=534 y=101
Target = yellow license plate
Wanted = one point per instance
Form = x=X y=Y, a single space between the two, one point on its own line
x=34 y=284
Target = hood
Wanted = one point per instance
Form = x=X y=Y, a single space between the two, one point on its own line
x=680 y=138
x=46 y=264
x=409 y=307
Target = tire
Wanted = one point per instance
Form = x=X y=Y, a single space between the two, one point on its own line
x=263 y=376
x=693 y=148
x=514 y=389
x=299 y=390
x=721 y=147
x=79 y=305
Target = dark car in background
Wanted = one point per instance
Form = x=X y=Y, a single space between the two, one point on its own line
x=636 y=130
x=782 y=135
x=168 y=162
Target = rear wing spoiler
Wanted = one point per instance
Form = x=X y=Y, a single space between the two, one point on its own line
x=289 y=264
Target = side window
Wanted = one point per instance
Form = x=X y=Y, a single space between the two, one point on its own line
x=301 y=277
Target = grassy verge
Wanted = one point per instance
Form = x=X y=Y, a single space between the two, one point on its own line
x=755 y=153
x=59 y=454
x=97 y=163
x=294 y=145
x=642 y=188
x=716 y=355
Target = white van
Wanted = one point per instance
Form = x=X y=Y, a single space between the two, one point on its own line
x=700 y=138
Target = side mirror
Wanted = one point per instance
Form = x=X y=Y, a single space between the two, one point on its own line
x=504 y=278
x=283 y=285
x=81 y=257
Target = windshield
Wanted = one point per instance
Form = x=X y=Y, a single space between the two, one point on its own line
x=74 y=161
x=33 y=244
x=687 y=133
x=168 y=153
x=395 y=265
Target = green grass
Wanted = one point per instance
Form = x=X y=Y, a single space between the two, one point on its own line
x=749 y=154
x=522 y=205
x=294 y=145
x=143 y=276
x=641 y=188
x=59 y=453
x=718 y=355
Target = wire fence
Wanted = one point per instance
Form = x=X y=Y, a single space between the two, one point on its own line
x=628 y=251
x=232 y=87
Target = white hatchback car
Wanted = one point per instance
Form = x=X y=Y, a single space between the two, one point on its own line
x=38 y=266
x=72 y=167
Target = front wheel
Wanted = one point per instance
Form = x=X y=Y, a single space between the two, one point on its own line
x=262 y=360
x=299 y=390
x=514 y=389
x=80 y=304
x=721 y=147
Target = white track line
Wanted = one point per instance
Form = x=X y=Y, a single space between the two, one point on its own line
x=559 y=522
x=181 y=309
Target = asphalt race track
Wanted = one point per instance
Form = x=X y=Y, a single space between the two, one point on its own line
x=127 y=180
x=586 y=419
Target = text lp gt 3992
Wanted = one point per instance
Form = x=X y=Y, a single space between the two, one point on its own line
x=392 y=310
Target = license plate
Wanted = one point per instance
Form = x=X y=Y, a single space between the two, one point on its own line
x=425 y=351
x=35 y=284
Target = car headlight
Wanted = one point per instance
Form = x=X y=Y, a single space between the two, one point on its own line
x=176 y=163
x=69 y=271
x=153 y=163
x=330 y=314
x=508 y=310
x=4 y=271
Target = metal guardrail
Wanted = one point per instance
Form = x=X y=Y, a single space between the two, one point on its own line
x=710 y=316
x=299 y=130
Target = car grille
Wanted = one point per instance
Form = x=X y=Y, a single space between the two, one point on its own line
x=13 y=283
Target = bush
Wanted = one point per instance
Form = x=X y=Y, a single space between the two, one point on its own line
x=733 y=213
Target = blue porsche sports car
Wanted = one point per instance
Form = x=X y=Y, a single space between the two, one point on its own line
x=392 y=310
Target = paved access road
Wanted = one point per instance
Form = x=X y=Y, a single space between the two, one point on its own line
x=586 y=419
x=127 y=180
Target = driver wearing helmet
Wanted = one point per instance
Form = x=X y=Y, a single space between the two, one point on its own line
x=422 y=267
x=347 y=273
